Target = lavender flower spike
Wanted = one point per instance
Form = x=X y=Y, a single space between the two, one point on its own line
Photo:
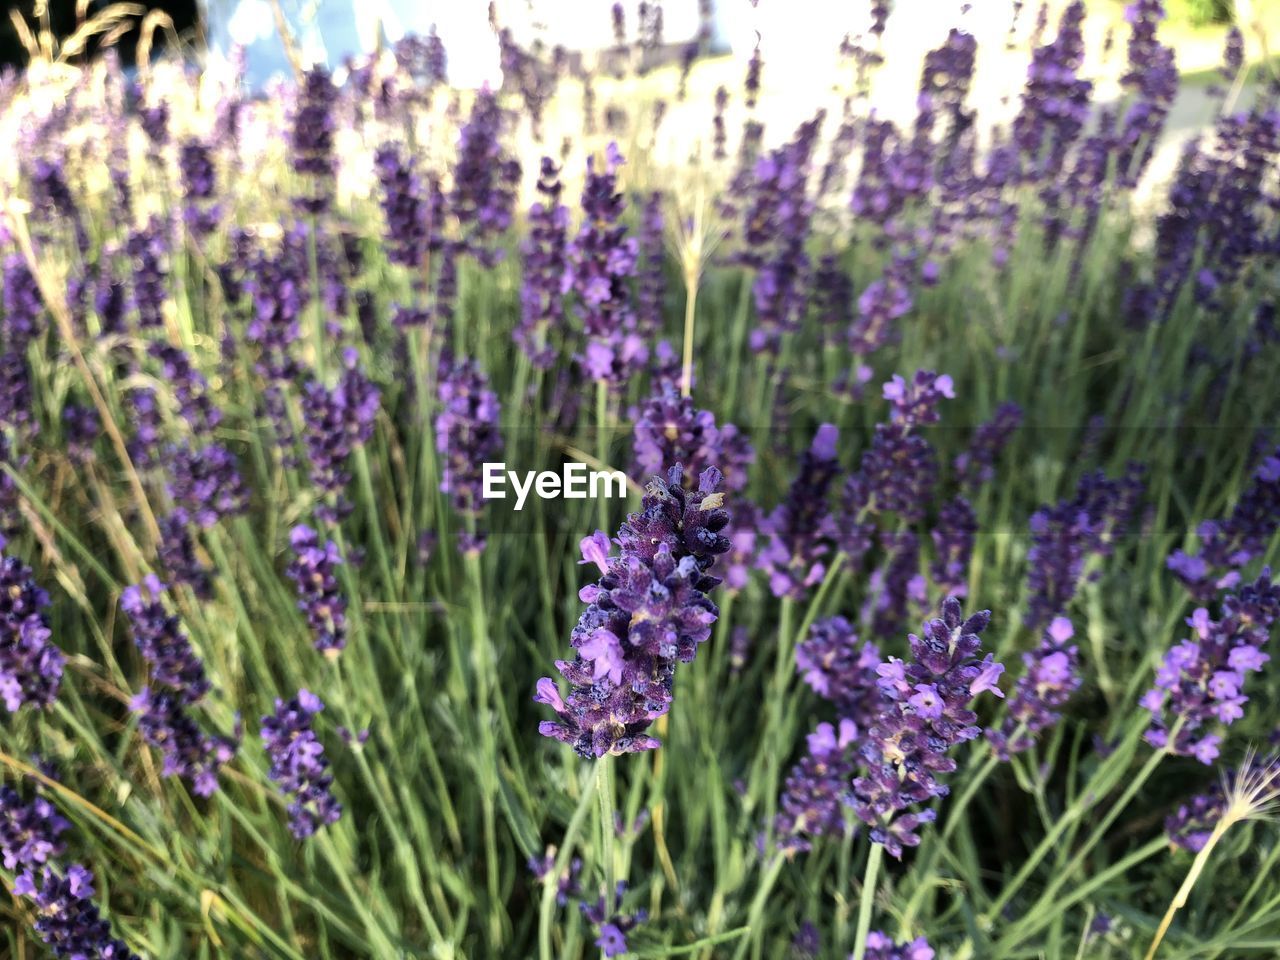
x=30 y=665
x=1200 y=684
x=314 y=571
x=67 y=919
x=880 y=947
x=298 y=763
x=1052 y=676
x=925 y=713
x=648 y=612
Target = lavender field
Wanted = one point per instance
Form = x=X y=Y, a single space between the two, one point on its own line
x=930 y=617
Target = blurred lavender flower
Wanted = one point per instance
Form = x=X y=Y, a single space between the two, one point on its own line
x=976 y=465
x=1065 y=537
x=799 y=527
x=199 y=186
x=336 y=422
x=147 y=249
x=567 y=883
x=1191 y=825
x=611 y=924
x=926 y=712
x=602 y=258
x=412 y=230
x=807 y=942
x=206 y=482
x=311 y=140
x=839 y=668
x=29 y=832
x=299 y=765
x=881 y=947
x=816 y=793
x=541 y=303
x=485 y=179
x=314 y=571
x=1231 y=543
x=1055 y=100
x=195 y=400
x=178 y=682
x=647 y=612
x=650 y=278
x=1200 y=683
x=177 y=555
x=670 y=430
x=30 y=664
x=899 y=470
x=20 y=319
x=775 y=232
x=953 y=537
x=162 y=643
x=1052 y=675
x=466 y=431
x=67 y=920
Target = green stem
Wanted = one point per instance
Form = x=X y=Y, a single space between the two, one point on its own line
x=755 y=926
x=604 y=791
x=551 y=882
x=864 y=904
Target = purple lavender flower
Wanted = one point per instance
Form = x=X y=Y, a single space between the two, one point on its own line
x=799 y=527
x=1200 y=683
x=816 y=793
x=925 y=713
x=177 y=555
x=19 y=323
x=567 y=883
x=162 y=643
x=896 y=590
x=736 y=564
x=147 y=249
x=839 y=668
x=670 y=430
x=485 y=178
x=1191 y=825
x=67 y=920
x=650 y=279
x=466 y=431
x=647 y=612
x=29 y=832
x=311 y=140
x=178 y=682
x=807 y=942
x=1065 y=537
x=299 y=765
x=206 y=482
x=612 y=925
x=718 y=134
x=1055 y=100
x=30 y=664
x=195 y=400
x=1052 y=675
x=602 y=258
x=976 y=465
x=336 y=421
x=541 y=303
x=199 y=187
x=751 y=85
x=899 y=470
x=881 y=947
x=314 y=570
x=953 y=537
x=775 y=231
x=412 y=230
x=1231 y=543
